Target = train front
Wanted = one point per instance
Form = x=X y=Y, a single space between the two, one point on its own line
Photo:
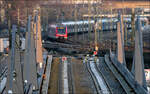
x=61 y=31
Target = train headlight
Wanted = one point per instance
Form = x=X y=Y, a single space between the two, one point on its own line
x=40 y=64
x=96 y=48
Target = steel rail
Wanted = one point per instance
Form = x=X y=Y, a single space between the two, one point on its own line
x=70 y=77
x=59 y=81
x=3 y=73
x=104 y=78
x=128 y=89
x=97 y=87
x=100 y=80
x=113 y=84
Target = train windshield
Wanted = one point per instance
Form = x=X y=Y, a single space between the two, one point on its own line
x=61 y=30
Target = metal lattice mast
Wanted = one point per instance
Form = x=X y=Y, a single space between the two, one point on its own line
x=9 y=23
x=122 y=28
x=133 y=27
x=18 y=67
x=120 y=43
x=95 y=29
x=111 y=39
x=29 y=70
x=101 y=26
x=38 y=39
x=14 y=82
x=89 y=20
x=75 y=17
x=126 y=33
x=138 y=62
x=2 y=12
x=124 y=24
x=83 y=23
x=9 y=85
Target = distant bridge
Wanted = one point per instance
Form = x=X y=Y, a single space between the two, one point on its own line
x=104 y=4
x=126 y=4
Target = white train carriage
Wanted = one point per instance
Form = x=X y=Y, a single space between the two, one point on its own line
x=84 y=26
x=105 y=24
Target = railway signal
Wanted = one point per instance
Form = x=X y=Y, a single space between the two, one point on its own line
x=95 y=52
x=64 y=58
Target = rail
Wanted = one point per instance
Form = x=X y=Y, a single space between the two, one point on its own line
x=3 y=85
x=101 y=73
x=65 y=78
x=70 y=77
x=93 y=79
x=128 y=77
x=127 y=88
x=59 y=77
x=3 y=74
x=99 y=81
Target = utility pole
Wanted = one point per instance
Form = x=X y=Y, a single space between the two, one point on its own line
x=126 y=33
x=47 y=19
x=18 y=31
x=100 y=28
x=2 y=12
x=83 y=26
x=83 y=30
x=58 y=12
x=133 y=26
x=99 y=11
x=89 y=19
x=95 y=29
x=75 y=16
x=124 y=25
x=18 y=16
x=111 y=36
x=9 y=23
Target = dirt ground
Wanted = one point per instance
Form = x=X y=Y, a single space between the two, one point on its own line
x=82 y=81
x=53 y=83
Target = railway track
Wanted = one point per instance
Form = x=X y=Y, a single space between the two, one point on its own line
x=65 y=77
x=59 y=77
x=70 y=77
x=3 y=66
x=114 y=86
x=107 y=78
x=100 y=85
x=3 y=73
x=117 y=81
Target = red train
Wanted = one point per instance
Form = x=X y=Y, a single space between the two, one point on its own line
x=61 y=31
